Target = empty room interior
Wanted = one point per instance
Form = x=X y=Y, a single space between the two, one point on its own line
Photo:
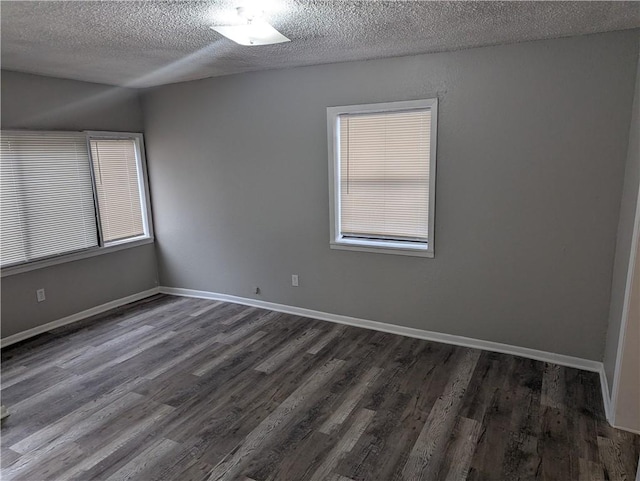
x=287 y=240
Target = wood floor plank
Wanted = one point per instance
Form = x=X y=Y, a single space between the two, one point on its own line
x=239 y=410
x=590 y=470
x=205 y=309
x=243 y=314
x=144 y=461
x=553 y=386
x=47 y=470
x=297 y=458
x=189 y=390
x=229 y=467
x=210 y=320
x=21 y=373
x=292 y=347
x=337 y=331
x=180 y=359
x=179 y=466
x=306 y=447
x=228 y=354
x=167 y=389
x=11 y=370
x=611 y=460
x=93 y=331
x=294 y=456
x=404 y=398
x=554 y=446
x=583 y=415
x=158 y=312
x=54 y=417
x=40 y=398
x=90 y=356
x=424 y=460
x=345 y=445
x=352 y=399
x=8 y=457
x=64 y=391
x=32 y=385
x=247 y=328
x=338 y=477
x=182 y=316
x=72 y=427
x=521 y=458
x=525 y=391
x=464 y=443
x=134 y=351
x=492 y=373
x=123 y=438
x=32 y=350
x=625 y=444
x=47 y=450
x=68 y=356
x=495 y=412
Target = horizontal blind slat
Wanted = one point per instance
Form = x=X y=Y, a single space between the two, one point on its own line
x=384 y=171
x=47 y=195
x=116 y=173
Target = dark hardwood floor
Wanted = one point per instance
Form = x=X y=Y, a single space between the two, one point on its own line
x=187 y=389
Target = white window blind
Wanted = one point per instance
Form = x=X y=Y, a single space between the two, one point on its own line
x=384 y=175
x=47 y=205
x=118 y=188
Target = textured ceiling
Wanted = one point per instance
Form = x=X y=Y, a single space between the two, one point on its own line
x=142 y=44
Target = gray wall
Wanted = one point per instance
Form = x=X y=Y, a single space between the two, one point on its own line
x=532 y=145
x=34 y=102
x=624 y=237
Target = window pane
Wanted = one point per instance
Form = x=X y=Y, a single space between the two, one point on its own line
x=384 y=174
x=47 y=196
x=116 y=174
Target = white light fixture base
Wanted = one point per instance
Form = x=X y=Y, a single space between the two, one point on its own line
x=255 y=32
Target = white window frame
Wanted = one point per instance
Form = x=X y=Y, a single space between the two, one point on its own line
x=102 y=247
x=143 y=185
x=337 y=241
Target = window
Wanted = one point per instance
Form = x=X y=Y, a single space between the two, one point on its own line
x=46 y=188
x=382 y=160
x=115 y=169
x=70 y=192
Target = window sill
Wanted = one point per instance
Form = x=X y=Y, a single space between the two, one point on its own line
x=382 y=247
x=85 y=254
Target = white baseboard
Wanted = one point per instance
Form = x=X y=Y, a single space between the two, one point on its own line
x=606 y=396
x=21 y=336
x=634 y=431
x=561 y=359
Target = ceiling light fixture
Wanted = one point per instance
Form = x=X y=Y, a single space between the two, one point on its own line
x=255 y=32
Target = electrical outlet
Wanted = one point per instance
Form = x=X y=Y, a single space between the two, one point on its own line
x=40 y=295
x=294 y=280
